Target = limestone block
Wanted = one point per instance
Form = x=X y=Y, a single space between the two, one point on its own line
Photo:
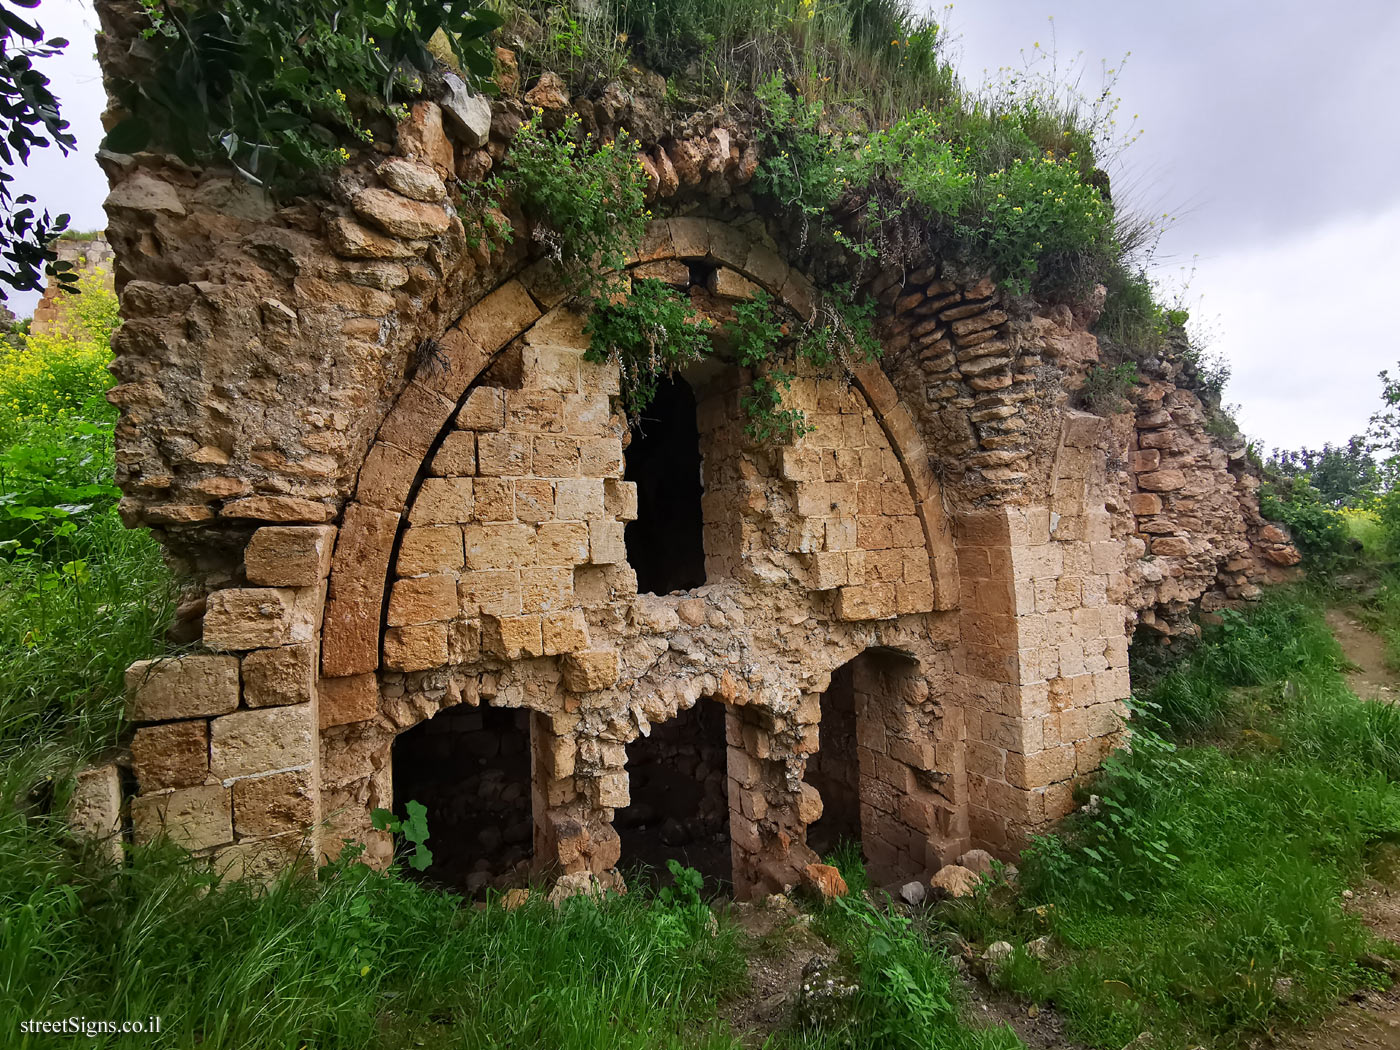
x=172 y=755
x=181 y=687
x=421 y=600
x=254 y=618
x=94 y=813
x=558 y=457
x=289 y=555
x=194 y=817
x=416 y=419
x=564 y=632
x=1171 y=546
x=485 y=409
x=562 y=543
x=1145 y=503
x=534 y=499
x=275 y=677
x=590 y=669
x=419 y=647
x=585 y=499
x=350 y=643
x=468 y=115
x=456 y=456
x=606 y=544
x=495 y=591
x=876 y=601
x=512 y=637
x=500 y=316
x=493 y=500
x=274 y=805
x=262 y=860
x=442 y=501
x=600 y=457
x=411 y=179
x=546 y=590
x=340 y=701
x=504 y=546
x=270 y=738
x=421 y=137
x=350 y=240
x=504 y=455
x=277 y=508
x=431 y=549
x=387 y=476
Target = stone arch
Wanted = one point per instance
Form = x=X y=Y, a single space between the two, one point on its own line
x=416 y=421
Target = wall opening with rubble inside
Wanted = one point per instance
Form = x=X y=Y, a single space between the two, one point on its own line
x=666 y=542
x=874 y=790
x=471 y=768
x=679 y=796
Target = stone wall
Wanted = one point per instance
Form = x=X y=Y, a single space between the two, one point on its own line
x=88 y=257
x=395 y=486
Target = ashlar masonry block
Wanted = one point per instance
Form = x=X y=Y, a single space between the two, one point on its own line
x=194 y=817
x=181 y=687
x=271 y=738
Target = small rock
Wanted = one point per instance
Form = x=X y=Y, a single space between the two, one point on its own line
x=996 y=954
x=1038 y=948
x=400 y=216
x=978 y=861
x=953 y=880
x=549 y=92
x=575 y=884
x=1143 y=1040
x=514 y=899
x=1347 y=895
x=414 y=180
x=825 y=879
x=145 y=192
x=467 y=114
x=1283 y=988
x=913 y=893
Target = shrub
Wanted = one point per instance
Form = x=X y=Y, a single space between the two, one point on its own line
x=650 y=333
x=1317 y=529
x=1106 y=390
x=1040 y=222
x=588 y=197
x=277 y=88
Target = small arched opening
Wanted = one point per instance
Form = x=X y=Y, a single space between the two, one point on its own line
x=678 y=783
x=871 y=767
x=470 y=768
x=666 y=543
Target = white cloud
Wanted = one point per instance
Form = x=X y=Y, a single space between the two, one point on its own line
x=1306 y=321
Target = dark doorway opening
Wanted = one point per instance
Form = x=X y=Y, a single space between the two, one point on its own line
x=678 y=781
x=471 y=768
x=835 y=769
x=666 y=544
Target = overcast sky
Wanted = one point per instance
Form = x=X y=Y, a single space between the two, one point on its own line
x=1271 y=134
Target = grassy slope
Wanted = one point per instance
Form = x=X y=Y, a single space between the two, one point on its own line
x=1203 y=901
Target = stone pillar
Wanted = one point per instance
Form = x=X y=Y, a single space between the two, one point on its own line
x=1045 y=652
x=227 y=757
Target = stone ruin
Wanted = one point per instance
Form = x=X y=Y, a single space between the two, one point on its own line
x=451 y=571
x=87 y=255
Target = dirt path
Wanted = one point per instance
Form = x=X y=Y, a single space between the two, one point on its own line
x=1370 y=677
x=1369 y=1020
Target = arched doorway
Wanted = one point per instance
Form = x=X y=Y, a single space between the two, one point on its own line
x=471 y=768
x=869 y=766
x=678 y=782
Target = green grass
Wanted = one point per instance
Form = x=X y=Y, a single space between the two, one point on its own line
x=907 y=996
x=1202 y=901
x=352 y=959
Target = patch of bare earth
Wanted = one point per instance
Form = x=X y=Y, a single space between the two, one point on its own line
x=781 y=944
x=1368 y=676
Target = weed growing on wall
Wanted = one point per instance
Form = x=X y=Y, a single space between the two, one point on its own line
x=1106 y=390
x=279 y=88
x=653 y=332
x=650 y=333
x=588 y=197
